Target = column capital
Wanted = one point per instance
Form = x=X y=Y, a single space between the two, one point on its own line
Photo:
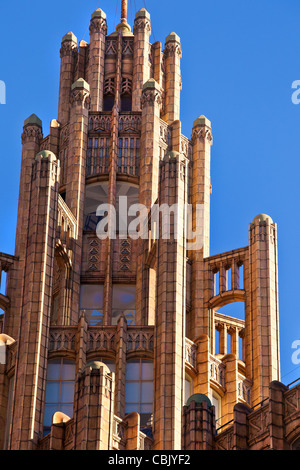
x=151 y=93
x=68 y=45
x=142 y=21
x=32 y=130
x=98 y=22
x=202 y=130
x=173 y=45
x=80 y=93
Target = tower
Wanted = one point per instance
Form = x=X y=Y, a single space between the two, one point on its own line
x=107 y=334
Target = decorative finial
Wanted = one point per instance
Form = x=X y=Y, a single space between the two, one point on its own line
x=124 y=26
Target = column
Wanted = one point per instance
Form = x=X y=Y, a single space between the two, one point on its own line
x=75 y=185
x=200 y=197
x=98 y=30
x=148 y=194
x=261 y=316
x=68 y=53
x=173 y=78
x=32 y=352
x=141 y=66
x=171 y=306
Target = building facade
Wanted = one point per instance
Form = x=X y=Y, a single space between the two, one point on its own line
x=116 y=341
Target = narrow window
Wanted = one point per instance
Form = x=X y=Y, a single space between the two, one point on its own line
x=59 y=390
x=139 y=390
x=108 y=102
x=228 y=279
x=216 y=283
x=91 y=303
x=123 y=303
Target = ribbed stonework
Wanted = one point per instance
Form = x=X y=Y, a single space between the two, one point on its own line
x=117 y=342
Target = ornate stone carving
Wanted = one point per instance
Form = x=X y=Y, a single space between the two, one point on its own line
x=109 y=86
x=111 y=47
x=31 y=133
x=202 y=133
x=141 y=24
x=224 y=441
x=150 y=96
x=126 y=85
x=125 y=255
x=68 y=48
x=98 y=25
x=173 y=48
x=62 y=339
x=103 y=340
x=80 y=97
x=258 y=424
x=131 y=124
x=127 y=46
x=94 y=256
x=140 y=340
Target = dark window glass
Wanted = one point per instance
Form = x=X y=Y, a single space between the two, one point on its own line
x=126 y=103
x=108 y=102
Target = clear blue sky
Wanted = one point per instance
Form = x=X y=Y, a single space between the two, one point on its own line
x=240 y=58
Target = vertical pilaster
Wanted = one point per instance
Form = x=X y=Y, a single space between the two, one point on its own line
x=173 y=78
x=120 y=378
x=231 y=380
x=240 y=427
x=200 y=200
x=141 y=65
x=81 y=69
x=33 y=336
x=157 y=62
x=75 y=186
x=112 y=182
x=201 y=381
x=171 y=306
x=277 y=415
x=31 y=138
x=261 y=316
x=149 y=181
x=98 y=30
x=68 y=53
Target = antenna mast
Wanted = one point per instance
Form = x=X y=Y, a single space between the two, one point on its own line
x=124 y=10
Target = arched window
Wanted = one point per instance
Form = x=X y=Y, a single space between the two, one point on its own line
x=139 y=389
x=59 y=390
x=97 y=194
